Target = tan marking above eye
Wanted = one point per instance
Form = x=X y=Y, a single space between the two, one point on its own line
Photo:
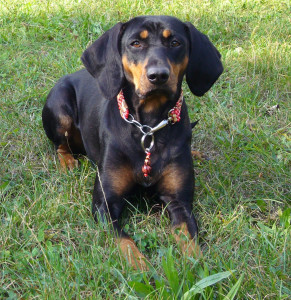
x=167 y=33
x=144 y=34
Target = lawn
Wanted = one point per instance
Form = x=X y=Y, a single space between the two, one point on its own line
x=50 y=247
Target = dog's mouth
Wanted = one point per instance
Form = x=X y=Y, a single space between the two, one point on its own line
x=156 y=92
x=155 y=99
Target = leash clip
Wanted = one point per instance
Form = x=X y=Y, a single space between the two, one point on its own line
x=161 y=125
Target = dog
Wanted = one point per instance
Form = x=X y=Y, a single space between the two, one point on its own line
x=126 y=112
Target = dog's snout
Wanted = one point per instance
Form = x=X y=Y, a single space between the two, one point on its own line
x=158 y=75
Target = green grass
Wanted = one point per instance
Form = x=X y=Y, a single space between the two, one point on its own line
x=50 y=247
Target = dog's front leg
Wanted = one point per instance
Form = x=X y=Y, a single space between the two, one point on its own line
x=176 y=189
x=108 y=202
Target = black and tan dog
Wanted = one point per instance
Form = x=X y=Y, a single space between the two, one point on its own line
x=125 y=111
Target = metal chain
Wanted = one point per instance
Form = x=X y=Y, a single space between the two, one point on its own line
x=147 y=130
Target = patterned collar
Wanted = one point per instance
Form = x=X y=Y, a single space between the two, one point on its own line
x=174 y=116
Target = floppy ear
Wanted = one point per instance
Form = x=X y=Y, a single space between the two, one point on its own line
x=204 y=65
x=103 y=61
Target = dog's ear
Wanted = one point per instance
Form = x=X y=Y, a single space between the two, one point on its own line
x=204 y=65
x=103 y=61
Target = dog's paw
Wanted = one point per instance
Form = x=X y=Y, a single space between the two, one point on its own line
x=67 y=161
x=188 y=246
x=71 y=163
x=197 y=155
x=134 y=257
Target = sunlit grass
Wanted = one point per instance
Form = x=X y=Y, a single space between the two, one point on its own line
x=50 y=246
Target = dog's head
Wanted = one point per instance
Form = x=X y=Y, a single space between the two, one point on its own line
x=153 y=53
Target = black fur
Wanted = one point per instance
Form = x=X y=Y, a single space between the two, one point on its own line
x=82 y=106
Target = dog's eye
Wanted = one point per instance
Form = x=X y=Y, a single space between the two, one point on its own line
x=175 y=43
x=136 y=44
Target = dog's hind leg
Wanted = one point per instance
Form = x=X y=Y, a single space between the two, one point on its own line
x=58 y=118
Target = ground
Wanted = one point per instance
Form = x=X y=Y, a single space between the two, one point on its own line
x=50 y=247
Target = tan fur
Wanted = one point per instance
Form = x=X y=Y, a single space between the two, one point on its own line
x=153 y=103
x=65 y=124
x=188 y=245
x=144 y=34
x=198 y=155
x=137 y=75
x=167 y=33
x=172 y=179
x=176 y=72
x=66 y=159
x=130 y=251
x=121 y=179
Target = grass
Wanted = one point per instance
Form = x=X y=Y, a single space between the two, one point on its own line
x=50 y=247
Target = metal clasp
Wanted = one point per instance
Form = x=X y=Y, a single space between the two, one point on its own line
x=147 y=149
x=159 y=126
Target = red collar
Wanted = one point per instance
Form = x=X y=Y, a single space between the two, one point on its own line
x=174 y=113
x=147 y=131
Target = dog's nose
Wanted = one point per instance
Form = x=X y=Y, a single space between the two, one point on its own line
x=158 y=75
